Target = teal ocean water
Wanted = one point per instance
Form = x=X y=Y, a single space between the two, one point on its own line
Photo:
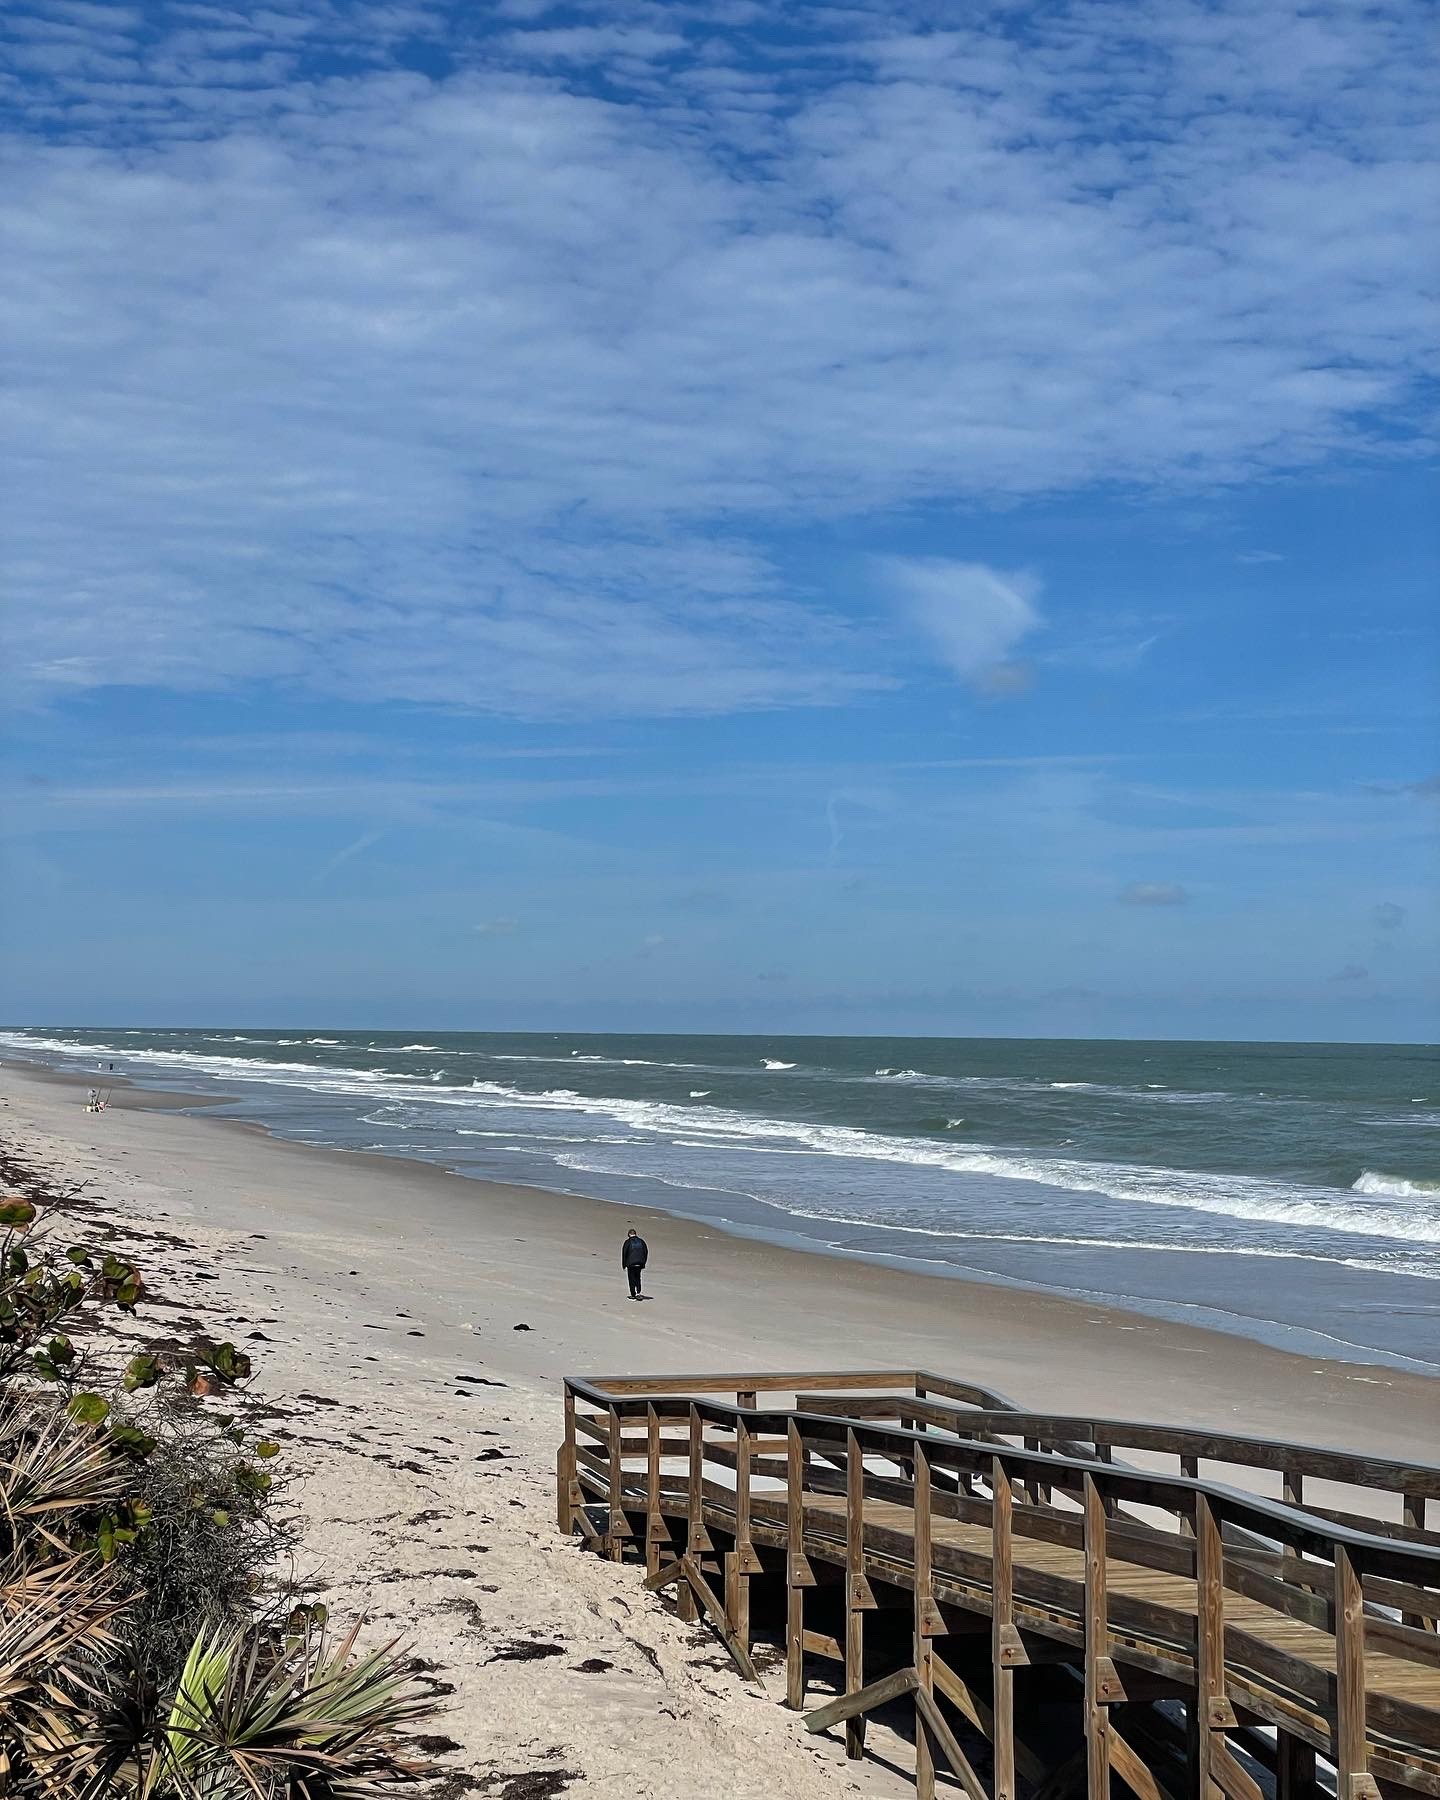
x=1287 y=1192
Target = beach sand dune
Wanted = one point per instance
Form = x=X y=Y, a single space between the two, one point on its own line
x=382 y=1301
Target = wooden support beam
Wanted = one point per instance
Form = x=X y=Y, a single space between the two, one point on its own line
x=565 y=1475
x=1190 y=1469
x=1003 y=1635
x=849 y=1706
x=1233 y=1780
x=743 y=1562
x=820 y=1643
x=932 y=1721
x=665 y=1574
x=705 y=1594
x=619 y=1524
x=1351 y=1756
x=796 y=1568
x=1097 y=1647
x=856 y=1588
x=1294 y=1767
x=1135 y=1772
x=1212 y=1708
x=978 y=1711
x=698 y=1539
x=1414 y=1505
x=925 y=1607
x=657 y=1532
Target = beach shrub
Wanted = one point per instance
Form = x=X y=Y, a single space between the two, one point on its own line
x=217 y=1545
x=150 y=1641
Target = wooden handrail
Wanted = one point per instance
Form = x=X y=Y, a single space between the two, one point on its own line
x=867 y=1482
x=1303 y=1531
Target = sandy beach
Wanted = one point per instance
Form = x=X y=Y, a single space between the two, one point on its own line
x=409 y=1328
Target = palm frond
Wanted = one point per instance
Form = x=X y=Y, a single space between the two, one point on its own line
x=51 y=1468
x=319 y=1721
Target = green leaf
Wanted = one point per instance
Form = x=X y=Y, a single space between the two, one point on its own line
x=253 y=1482
x=43 y=1367
x=61 y=1351
x=89 y=1409
x=230 y=1364
x=132 y=1441
x=267 y=1449
x=79 y=1255
x=16 y=1212
x=219 y=1516
x=141 y=1371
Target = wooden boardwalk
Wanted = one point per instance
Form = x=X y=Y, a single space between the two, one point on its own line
x=1063 y=1605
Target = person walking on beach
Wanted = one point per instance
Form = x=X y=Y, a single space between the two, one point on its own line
x=634 y=1254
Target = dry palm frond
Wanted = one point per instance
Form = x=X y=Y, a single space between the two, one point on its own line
x=55 y=1636
x=318 y=1724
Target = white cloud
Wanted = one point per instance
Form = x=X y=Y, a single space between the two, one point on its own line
x=498 y=927
x=479 y=389
x=974 y=616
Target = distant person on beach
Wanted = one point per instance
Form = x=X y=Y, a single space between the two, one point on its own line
x=634 y=1254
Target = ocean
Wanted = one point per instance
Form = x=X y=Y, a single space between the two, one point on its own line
x=1286 y=1192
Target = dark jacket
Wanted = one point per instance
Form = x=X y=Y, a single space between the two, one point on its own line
x=634 y=1253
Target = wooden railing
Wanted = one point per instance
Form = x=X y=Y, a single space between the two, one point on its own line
x=1253 y=1611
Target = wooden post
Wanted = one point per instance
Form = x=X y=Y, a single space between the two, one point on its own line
x=1294 y=1767
x=1351 y=1751
x=1292 y=1492
x=1105 y=1453
x=741 y=1562
x=656 y=1533
x=1415 y=1518
x=797 y=1569
x=1002 y=1628
x=858 y=1598
x=619 y=1526
x=746 y=1399
x=565 y=1471
x=1097 y=1648
x=695 y=1538
x=924 y=1603
x=1213 y=1713
x=1190 y=1469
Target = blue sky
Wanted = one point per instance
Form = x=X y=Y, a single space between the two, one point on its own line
x=634 y=517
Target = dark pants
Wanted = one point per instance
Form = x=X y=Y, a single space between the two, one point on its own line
x=633 y=1271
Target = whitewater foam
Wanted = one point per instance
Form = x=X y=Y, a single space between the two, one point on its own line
x=1398 y=1187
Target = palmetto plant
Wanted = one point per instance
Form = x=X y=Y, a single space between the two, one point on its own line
x=311 y=1722
x=58 y=1603
x=117 y=1538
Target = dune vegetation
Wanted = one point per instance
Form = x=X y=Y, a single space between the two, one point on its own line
x=154 y=1640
